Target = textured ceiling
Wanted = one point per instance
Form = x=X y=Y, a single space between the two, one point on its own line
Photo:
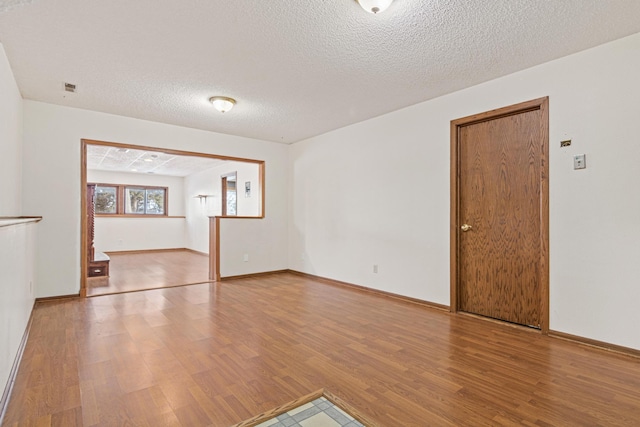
x=297 y=68
x=107 y=158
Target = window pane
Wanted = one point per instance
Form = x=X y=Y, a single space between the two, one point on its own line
x=134 y=200
x=105 y=200
x=155 y=202
x=231 y=203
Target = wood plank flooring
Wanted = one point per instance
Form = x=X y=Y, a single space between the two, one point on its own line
x=216 y=354
x=150 y=270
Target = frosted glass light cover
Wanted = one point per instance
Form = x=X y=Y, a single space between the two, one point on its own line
x=222 y=103
x=375 y=6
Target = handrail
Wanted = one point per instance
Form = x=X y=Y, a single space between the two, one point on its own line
x=7 y=221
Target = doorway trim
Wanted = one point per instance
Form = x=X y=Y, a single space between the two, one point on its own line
x=214 y=259
x=541 y=104
x=225 y=187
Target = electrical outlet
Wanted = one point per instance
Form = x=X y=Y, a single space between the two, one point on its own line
x=375 y=268
x=245 y=258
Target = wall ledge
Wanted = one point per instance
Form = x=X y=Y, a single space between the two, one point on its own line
x=7 y=221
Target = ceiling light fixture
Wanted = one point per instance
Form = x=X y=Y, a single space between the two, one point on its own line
x=222 y=103
x=374 y=6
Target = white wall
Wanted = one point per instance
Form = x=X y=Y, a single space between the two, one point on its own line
x=209 y=182
x=378 y=192
x=248 y=206
x=17 y=243
x=52 y=137
x=199 y=210
x=113 y=234
x=10 y=140
x=143 y=233
x=17 y=278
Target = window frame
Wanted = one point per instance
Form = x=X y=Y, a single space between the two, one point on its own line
x=120 y=200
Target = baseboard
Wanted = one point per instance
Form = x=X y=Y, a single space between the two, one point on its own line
x=373 y=291
x=14 y=369
x=628 y=351
x=57 y=298
x=197 y=252
x=551 y=333
x=253 y=275
x=145 y=251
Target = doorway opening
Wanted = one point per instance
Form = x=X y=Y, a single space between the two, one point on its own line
x=230 y=194
x=146 y=214
x=500 y=214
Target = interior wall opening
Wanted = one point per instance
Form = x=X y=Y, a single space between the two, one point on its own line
x=146 y=214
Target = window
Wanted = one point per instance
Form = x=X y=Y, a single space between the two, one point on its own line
x=145 y=201
x=117 y=199
x=106 y=200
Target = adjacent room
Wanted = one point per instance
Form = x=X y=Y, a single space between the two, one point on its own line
x=319 y=213
x=148 y=214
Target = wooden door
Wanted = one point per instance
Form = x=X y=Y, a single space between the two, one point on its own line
x=501 y=214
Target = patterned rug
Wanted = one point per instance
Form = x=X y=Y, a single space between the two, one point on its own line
x=319 y=409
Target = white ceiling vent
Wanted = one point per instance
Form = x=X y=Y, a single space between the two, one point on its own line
x=70 y=87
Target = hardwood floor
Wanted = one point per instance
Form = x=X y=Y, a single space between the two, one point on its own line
x=150 y=270
x=219 y=353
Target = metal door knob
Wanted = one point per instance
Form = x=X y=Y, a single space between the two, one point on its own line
x=466 y=227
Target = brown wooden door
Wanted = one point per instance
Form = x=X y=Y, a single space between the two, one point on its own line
x=502 y=196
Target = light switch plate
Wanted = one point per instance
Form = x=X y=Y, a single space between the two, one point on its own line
x=579 y=161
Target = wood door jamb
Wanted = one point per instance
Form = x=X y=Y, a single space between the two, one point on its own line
x=541 y=104
x=214 y=260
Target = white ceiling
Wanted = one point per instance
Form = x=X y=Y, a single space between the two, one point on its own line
x=100 y=157
x=297 y=68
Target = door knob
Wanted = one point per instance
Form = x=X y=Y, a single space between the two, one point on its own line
x=466 y=227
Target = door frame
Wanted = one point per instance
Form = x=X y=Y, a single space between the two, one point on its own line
x=224 y=188
x=223 y=196
x=214 y=234
x=541 y=104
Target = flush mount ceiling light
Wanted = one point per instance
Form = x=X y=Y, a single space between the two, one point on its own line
x=374 y=6
x=222 y=103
